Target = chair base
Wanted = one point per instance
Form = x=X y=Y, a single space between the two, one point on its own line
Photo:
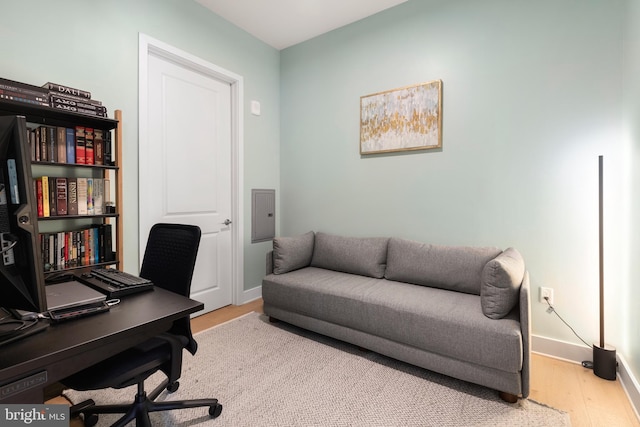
x=139 y=410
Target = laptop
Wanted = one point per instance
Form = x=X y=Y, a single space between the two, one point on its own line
x=71 y=294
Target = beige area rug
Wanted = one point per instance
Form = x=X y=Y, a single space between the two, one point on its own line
x=278 y=375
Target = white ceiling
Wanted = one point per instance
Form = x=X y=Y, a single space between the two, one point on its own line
x=283 y=23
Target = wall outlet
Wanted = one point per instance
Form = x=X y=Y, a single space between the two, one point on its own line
x=546 y=293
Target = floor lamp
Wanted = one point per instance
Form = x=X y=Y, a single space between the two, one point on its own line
x=604 y=357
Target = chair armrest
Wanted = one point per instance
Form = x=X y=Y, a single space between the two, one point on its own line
x=177 y=343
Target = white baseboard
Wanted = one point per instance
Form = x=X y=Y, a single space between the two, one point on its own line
x=577 y=353
x=250 y=295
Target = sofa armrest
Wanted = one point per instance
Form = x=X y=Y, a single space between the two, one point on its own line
x=269 y=262
x=525 y=327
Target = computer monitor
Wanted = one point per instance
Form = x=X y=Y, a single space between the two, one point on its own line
x=22 y=284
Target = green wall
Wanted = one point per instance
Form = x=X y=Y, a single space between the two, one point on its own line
x=532 y=94
x=94 y=45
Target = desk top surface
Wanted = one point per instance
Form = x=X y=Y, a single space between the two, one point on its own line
x=136 y=318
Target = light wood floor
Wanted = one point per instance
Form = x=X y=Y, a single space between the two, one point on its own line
x=590 y=401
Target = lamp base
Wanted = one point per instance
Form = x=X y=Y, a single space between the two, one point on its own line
x=604 y=362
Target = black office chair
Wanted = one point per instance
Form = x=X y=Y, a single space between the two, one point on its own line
x=169 y=260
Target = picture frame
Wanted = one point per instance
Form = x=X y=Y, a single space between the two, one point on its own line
x=404 y=119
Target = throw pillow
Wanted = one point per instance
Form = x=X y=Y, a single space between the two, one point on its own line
x=501 y=279
x=366 y=256
x=292 y=253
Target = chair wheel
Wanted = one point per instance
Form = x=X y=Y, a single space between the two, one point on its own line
x=90 y=420
x=173 y=387
x=215 y=410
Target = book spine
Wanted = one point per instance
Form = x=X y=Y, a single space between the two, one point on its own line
x=53 y=206
x=108 y=148
x=108 y=243
x=72 y=194
x=82 y=196
x=61 y=144
x=13 y=181
x=12 y=95
x=98 y=196
x=58 y=88
x=88 y=143
x=70 y=145
x=80 y=145
x=44 y=152
x=61 y=196
x=38 y=182
x=90 y=206
x=52 y=144
x=98 y=147
x=75 y=102
x=75 y=98
x=45 y=196
x=72 y=109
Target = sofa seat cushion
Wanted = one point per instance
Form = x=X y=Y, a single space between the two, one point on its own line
x=456 y=268
x=444 y=322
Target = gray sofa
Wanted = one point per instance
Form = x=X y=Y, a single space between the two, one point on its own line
x=460 y=311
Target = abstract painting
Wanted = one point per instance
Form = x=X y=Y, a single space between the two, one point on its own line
x=408 y=118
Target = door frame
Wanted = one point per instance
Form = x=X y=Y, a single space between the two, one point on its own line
x=149 y=46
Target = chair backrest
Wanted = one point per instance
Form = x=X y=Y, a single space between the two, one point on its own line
x=169 y=260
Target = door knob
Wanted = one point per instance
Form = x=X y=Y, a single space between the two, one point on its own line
x=227 y=221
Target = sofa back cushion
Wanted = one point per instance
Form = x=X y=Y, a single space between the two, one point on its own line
x=455 y=268
x=366 y=256
x=292 y=253
x=501 y=279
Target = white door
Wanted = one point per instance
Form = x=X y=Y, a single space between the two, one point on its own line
x=185 y=169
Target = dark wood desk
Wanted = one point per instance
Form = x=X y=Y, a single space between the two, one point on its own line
x=68 y=347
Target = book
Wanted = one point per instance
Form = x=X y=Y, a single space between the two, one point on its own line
x=53 y=206
x=71 y=145
x=61 y=144
x=90 y=206
x=79 y=110
x=13 y=181
x=22 y=92
x=98 y=196
x=98 y=147
x=52 y=144
x=42 y=138
x=72 y=196
x=22 y=87
x=76 y=102
x=80 y=145
x=109 y=254
x=61 y=196
x=38 y=182
x=75 y=98
x=25 y=98
x=58 y=88
x=82 y=196
x=88 y=146
x=45 y=196
x=108 y=149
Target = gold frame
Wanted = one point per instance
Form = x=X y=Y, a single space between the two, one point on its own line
x=404 y=119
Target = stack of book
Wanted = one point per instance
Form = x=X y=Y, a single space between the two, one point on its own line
x=22 y=92
x=59 y=196
x=67 y=98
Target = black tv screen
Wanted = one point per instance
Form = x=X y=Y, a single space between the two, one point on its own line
x=22 y=284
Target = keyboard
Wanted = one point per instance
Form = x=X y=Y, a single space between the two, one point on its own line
x=115 y=283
